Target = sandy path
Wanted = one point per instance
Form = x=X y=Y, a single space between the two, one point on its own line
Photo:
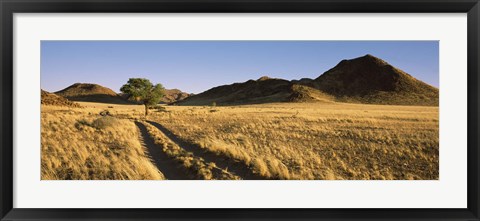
x=166 y=165
x=235 y=167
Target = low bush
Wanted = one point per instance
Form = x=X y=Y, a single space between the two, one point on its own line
x=105 y=122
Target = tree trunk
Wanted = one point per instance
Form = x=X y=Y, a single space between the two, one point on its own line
x=146 y=110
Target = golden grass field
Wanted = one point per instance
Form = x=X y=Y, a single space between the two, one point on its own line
x=269 y=141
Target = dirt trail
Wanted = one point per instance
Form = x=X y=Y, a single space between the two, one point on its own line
x=226 y=163
x=166 y=165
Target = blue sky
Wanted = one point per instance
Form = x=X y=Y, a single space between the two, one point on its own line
x=196 y=66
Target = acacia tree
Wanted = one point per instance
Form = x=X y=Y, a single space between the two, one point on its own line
x=142 y=90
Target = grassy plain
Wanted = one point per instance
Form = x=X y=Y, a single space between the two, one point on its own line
x=316 y=141
x=273 y=141
x=79 y=144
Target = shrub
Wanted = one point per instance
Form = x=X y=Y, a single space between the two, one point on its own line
x=158 y=108
x=104 y=122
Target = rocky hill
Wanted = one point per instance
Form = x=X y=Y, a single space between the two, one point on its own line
x=263 y=90
x=369 y=79
x=48 y=98
x=174 y=95
x=91 y=93
x=366 y=79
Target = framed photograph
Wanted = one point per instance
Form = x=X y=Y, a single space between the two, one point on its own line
x=256 y=110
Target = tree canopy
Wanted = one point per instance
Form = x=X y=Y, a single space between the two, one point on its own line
x=142 y=90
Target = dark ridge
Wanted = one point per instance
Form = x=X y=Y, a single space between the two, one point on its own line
x=264 y=90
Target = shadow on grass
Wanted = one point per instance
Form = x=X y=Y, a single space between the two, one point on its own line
x=237 y=167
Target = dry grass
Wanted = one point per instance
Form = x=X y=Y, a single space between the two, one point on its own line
x=317 y=141
x=79 y=144
x=278 y=141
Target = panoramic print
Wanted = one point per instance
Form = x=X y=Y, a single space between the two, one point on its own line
x=239 y=110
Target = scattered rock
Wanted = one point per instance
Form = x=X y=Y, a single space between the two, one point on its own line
x=105 y=113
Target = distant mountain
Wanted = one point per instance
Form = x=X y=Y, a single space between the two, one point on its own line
x=91 y=93
x=263 y=90
x=369 y=79
x=366 y=79
x=48 y=98
x=174 y=95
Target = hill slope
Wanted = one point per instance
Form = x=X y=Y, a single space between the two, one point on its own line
x=263 y=90
x=369 y=79
x=306 y=93
x=174 y=95
x=91 y=93
x=53 y=99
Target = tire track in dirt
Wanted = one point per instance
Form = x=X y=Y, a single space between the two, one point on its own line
x=165 y=165
x=226 y=163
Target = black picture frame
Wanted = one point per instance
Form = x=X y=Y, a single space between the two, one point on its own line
x=9 y=7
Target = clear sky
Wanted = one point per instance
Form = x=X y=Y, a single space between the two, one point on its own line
x=196 y=66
